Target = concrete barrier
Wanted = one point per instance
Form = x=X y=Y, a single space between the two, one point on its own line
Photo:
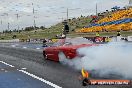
x=129 y=38
x=8 y=41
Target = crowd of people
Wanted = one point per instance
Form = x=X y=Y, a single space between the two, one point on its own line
x=116 y=21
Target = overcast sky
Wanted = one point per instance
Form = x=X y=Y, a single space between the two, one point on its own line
x=49 y=12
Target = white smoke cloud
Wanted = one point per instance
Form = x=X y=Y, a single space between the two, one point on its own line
x=113 y=58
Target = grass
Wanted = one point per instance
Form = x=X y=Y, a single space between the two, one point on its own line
x=44 y=34
x=51 y=32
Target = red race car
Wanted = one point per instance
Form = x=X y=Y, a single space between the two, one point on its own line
x=66 y=46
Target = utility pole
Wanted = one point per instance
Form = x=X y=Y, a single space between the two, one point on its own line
x=67 y=14
x=8 y=26
x=1 y=22
x=34 y=22
x=17 y=15
x=70 y=11
x=2 y=16
x=130 y=2
x=96 y=9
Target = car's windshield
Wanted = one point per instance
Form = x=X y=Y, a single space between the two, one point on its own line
x=60 y=42
x=77 y=41
x=71 y=41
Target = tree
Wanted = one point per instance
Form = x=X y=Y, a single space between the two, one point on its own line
x=3 y=31
x=10 y=31
x=29 y=28
x=42 y=27
x=14 y=36
x=19 y=31
x=14 y=30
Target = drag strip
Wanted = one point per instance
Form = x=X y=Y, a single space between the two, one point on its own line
x=26 y=45
x=10 y=75
x=35 y=63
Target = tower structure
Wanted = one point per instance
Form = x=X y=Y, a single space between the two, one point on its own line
x=130 y=3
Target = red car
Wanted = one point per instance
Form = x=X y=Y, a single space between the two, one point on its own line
x=67 y=47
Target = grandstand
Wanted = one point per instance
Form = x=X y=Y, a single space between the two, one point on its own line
x=120 y=19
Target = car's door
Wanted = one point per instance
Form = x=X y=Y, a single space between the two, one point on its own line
x=52 y=53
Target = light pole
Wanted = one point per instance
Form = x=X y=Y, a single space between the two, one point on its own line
x=1 y=20
x=8 y=24
x=96 y=9
x=2 y=17
x=17 y=16
x=130 y=2
x=34 y=22
x=70 y=10
x=67 y=14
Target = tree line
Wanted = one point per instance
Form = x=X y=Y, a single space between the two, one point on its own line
x=31 y=28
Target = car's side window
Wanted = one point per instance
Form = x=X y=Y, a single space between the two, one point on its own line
x=67 y=44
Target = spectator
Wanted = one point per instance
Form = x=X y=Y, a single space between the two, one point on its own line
x=44 y=43
x=97 y=34
x=118 y=33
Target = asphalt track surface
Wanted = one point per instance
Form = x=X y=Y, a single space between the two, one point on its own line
x=54 y=72
x=11 y=77
x=24 y=45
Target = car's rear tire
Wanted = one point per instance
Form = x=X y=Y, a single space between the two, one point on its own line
x=45 y=56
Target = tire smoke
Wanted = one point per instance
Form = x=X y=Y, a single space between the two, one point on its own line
x=105 y=59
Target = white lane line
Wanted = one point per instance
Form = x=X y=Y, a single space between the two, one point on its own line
x=13 y=45
x=34 y=76
x=2 y=69
x=37 y=48
x=23 y=68
x=24 y=47
x=41 y=79
x=6 y=64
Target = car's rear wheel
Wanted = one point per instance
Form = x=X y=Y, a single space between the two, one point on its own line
x=45 y=56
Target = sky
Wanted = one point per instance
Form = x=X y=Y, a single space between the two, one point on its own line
x=49 y=12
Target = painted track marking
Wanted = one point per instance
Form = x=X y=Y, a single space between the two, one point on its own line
x=6 y=64
x=41 y=79
x=34 y=76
